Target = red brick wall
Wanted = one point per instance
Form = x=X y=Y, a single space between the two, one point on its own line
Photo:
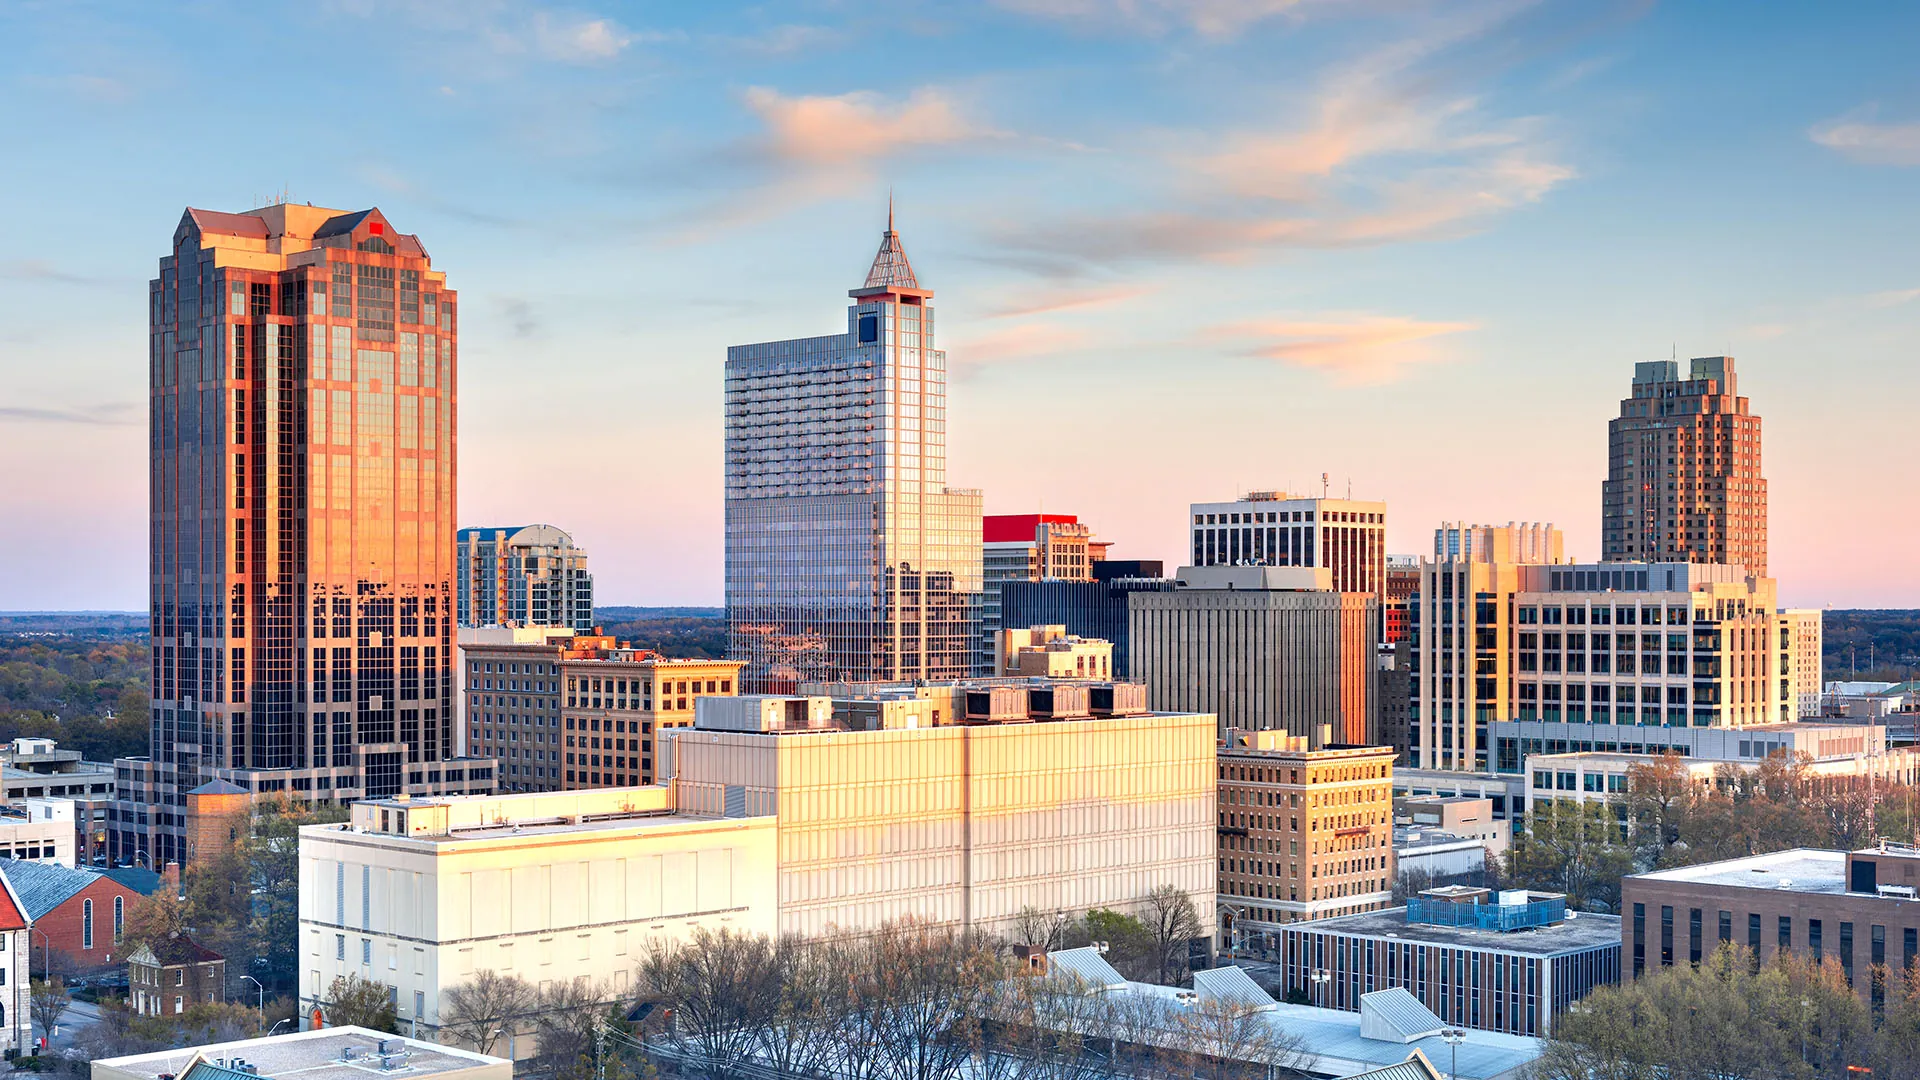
x=62 y=927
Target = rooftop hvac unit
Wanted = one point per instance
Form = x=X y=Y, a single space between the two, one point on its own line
x=1117 y=699
x=997 y=704
x=1059 y=702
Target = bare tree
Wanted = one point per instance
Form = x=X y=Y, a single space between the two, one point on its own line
x=725 y=990
x=922 y=982
x=565 y=1014
x=1173 y=922
x=49 y=1000
x=1221 y=1041
x=804 y=1039
x=478 y=1011
x=1044 y=930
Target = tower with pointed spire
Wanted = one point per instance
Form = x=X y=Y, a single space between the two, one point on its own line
x=848 y=559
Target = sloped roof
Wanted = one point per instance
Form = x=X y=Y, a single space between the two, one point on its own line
x=43 y=886
x=1085 y=966
x=1232 y=986
x=218 y=787
x=180 y=949
x=138 y=878
x=13 y=914
x=1416 y=1067
x=215 y=221
x=345 y=223
x=891 y=269
x=1397 y=1016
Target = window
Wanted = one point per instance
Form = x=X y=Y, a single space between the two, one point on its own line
x=86 y=924
x=180 y=977
x=339 y=946
x=119 y=917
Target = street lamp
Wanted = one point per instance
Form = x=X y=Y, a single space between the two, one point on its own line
x=1320 y=978
x=275 y=1030
x=1454 y=1037
x=263 y=994
x=1233 y=928
x=142 y=854
x=496 y=1033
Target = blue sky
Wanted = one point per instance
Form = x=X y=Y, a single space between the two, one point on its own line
x=1182 y=249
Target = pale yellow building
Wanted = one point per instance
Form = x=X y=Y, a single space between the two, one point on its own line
x=1802 y=637
x=965 y=824
x=422 y=894
x=1050 y=652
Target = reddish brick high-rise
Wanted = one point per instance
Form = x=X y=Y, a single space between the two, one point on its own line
x=1683 y=470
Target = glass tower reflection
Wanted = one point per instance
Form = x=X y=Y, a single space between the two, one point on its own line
x=302 y=370
x=848 y=557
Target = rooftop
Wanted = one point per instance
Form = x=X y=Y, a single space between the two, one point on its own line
x=45 y=886
x=464 y=818
x=311 y=1055
x=1581 y=931
x=1804 y=870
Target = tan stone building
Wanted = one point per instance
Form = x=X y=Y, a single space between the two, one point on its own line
x=1050 y=652
x=1303 y=833
x=1802 y=639
x=580 y=711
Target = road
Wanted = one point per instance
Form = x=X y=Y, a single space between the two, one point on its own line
x=79 y=1016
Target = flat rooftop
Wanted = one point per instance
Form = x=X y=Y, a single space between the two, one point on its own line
x=311 y=1055
x=1581 y=931
x=1804 y=870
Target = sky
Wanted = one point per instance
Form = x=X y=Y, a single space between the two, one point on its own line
x=1182 y=249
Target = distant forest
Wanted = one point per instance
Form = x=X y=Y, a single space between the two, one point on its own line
x=694 y=633
x=1872 y=644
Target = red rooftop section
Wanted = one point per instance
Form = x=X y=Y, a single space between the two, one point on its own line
x=1019 y=528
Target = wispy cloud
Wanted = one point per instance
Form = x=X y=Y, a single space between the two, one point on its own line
x=111 y=415
x=41 y=270
x=577 y=39
x=1892 y=298
x=1016 y=342
x=1351 y=349
x=1857 y=136
x=1214 y=18
x=1047 y=301
x=785 y=40
x=851 y=130
x=99 y=89
x=510 y=28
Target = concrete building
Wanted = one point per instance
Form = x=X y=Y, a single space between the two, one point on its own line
x=1427 y=857
x=334 y=1053
x=1683 y=470
x=302 y=476
x=1506 y=793
x=1529 y=542
x=1459 y=632
x=1510 y=962
x=1303 y=834
x=524 y=575
x=1470 y=817
x=1857 y=907
x=38 y=830
x=1029 y=547
x=1803 y=636
x=421 y=894
x=1264 y=649
x=1089 y=609
x=166 y=978
x=1034 y=800
x=1271 y=528
x=1595 y=776
x=1052 y=653
x=1517 y=743
x=847 y=556
x=38 y=769
x=578 y=710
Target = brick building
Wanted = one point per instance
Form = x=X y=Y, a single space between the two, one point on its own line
x=168 y=977
x=81 y=912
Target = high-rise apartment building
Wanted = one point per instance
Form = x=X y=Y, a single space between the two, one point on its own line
x=580 y=711
x=302 y=371
x=1683 y=470
x=1029 y=547
x=1803 y=634
x=1514 y=542
x=1270 y=528
x=1304 y=834
x=525 y=575
x=848 y=558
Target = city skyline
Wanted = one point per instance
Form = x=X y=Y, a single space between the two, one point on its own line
x=1395 y=236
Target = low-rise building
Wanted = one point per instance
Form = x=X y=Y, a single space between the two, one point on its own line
x=1050 y=652
x=334 y=1053
x=1427 y=857
x=1471 y=817
x=1508 y=962
x=1857 y=907
x=1089 y=609
x=1303 y=834
x=16 y=974
x=78 y=913
x=166 y=978
x=38 y=769
x=1598 y=777
x=1748 y=745
x=39 y=830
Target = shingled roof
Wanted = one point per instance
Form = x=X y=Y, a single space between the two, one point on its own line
x=45 y=886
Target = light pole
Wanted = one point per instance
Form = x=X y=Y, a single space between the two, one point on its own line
x=1233 y=928
x=142 y=854
x=276 y=1027
x=263 y=994
x=1454 y=1037
x=1320 y=978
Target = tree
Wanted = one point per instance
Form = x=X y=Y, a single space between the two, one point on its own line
x=565 y=1015
x=1659 y=794
x=724 y=988
x=1130 y=944
x=1574 y=848
x=477 y=1012
x=1220 y=1040
x=155 y=918
x=1172 y=921
x=48 y=999
x=356 y=1002
x=1044 y=930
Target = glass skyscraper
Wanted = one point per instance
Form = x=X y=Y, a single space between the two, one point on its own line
x=301 y=382
x=848 y=557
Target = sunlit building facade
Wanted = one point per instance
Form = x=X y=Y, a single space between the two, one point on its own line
x=302 y=373
x=847 y=556
x=523 y=575
x=1272 y=528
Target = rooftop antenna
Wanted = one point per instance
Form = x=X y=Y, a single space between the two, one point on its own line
x=1323 y=485
x=889 y=208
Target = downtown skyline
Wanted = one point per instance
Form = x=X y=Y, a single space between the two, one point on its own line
x=1424 y=262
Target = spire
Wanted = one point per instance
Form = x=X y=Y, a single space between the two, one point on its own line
x=891 y=270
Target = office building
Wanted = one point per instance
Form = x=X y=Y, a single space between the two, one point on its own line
x=420 y=894
x=1470 y=817
x=1856 y=907
x=1745 y=747
x=330 y=1052
x=302 y=372
x=38 y=830
x=1053 y=796
x=1263 y=648
x=1050 y=652
x=1427 y=857
x=1511 y=962
x=1303 y=834
x=1271 y=528
x=1506 y=793
x=39 y=769
x=1514 y=542
x=1029 y=547
x=526 y=575
x=847 y=556
x=1403 y=582
x=1802 y=632
x=1595 y=645
x=1089 y=609
x=1683 y=470
x=1597 y=775
x=579 y=710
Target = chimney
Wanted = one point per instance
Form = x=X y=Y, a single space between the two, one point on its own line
x=170 y=873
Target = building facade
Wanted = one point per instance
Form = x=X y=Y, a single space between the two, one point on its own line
x=1263 y=649
x=1049 y=652
x=1029 y=547
x=165 y=978
x=582 y=710
x=1683 y=470
x=303 y=470
x=1303 y=834
x=39 y=769
x=1088 y=609
x=1271 y=528
x=1802 y=629
x=16 y=994
x=847 y=556
x=1857 y=907
x=421 y=895
x=962 y=824
x=526 y=575
x=78 y=914
x=1509 y=962
x=1514 y=542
